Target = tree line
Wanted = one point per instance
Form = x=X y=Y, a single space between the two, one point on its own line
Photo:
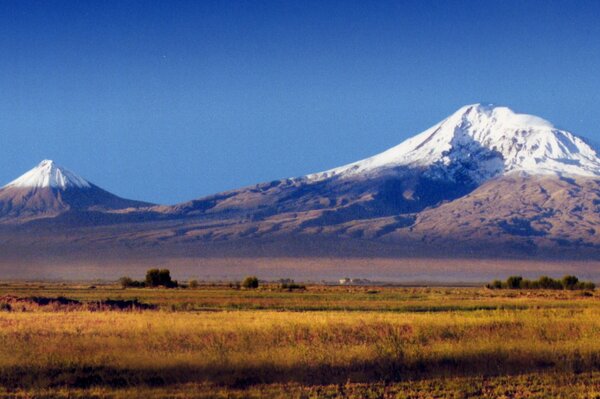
x=162 y=278
x=568 y=282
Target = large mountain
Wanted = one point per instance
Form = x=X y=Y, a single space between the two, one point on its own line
x=477 y=145
x=48 y=190
x=486 y=182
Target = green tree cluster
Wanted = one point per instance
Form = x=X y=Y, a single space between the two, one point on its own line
x=160 y=278
x=154 y=278
x=568 y=282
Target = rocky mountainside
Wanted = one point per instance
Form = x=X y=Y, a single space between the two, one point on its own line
x=477 y=145
x=484 y=182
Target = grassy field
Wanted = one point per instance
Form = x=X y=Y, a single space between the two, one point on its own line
x=357 y=342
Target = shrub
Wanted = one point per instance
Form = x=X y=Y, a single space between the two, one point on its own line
x=292 y=286
x=250 y=282
x=495 y=285
x=549 y=283
x=588 y=285
x=126 y=281
x=534 y=285
x=526 y=284
x=193 y=284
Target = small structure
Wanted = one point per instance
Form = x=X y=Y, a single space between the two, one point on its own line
x=354 y=281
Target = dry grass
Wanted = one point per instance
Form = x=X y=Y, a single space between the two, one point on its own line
x=445 y=337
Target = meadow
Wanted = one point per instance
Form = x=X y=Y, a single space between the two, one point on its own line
x=324 y=341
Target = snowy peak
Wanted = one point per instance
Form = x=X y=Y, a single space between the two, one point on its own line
x=483 y=141
x=48 y=174
x=503 y=116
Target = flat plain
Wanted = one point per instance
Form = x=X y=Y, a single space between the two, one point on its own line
x=78 y=340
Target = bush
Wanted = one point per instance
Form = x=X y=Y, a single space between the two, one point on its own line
x=250 y=282
x=549 y=283
x=125 y=281
x=588 y=285
x=292 y=286
x=128 y=282
x=193 y=284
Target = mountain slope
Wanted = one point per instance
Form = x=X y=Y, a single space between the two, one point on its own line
x=546 y=211
x=445 y=162
x=49 y=190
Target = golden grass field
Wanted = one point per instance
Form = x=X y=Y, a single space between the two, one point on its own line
x=331 y=342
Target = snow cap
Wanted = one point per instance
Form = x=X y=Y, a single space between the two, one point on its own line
x=49 y=174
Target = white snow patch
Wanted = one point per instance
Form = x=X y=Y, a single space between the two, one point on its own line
x=48 y=174
x=491 y=140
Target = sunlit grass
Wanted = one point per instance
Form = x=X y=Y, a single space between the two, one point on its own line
x=396 y=335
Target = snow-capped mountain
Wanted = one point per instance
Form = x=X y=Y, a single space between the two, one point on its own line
x=462 y=175
x=485 y=181
x=49 y=190
x=48 y=174
x=483 y=141
x=445 y=162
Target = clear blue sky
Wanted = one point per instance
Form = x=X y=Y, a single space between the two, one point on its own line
x=171 y=100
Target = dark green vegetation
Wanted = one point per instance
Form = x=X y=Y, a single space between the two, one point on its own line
x=154 y=278
x=277 y=342
x=568 y=282
x=250 y=282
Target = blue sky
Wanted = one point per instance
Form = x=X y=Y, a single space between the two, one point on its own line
x=171 y=100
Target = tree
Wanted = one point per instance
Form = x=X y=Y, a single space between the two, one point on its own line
x=549 y=283
x=570 y=282
x=514 y=282
x=126 y=281
x=152 y=278
x=250 y=282
x=162 y=277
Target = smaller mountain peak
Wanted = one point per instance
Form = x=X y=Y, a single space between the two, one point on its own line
x=48 y=174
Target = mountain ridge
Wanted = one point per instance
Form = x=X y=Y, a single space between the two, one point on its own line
x=452 y=190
